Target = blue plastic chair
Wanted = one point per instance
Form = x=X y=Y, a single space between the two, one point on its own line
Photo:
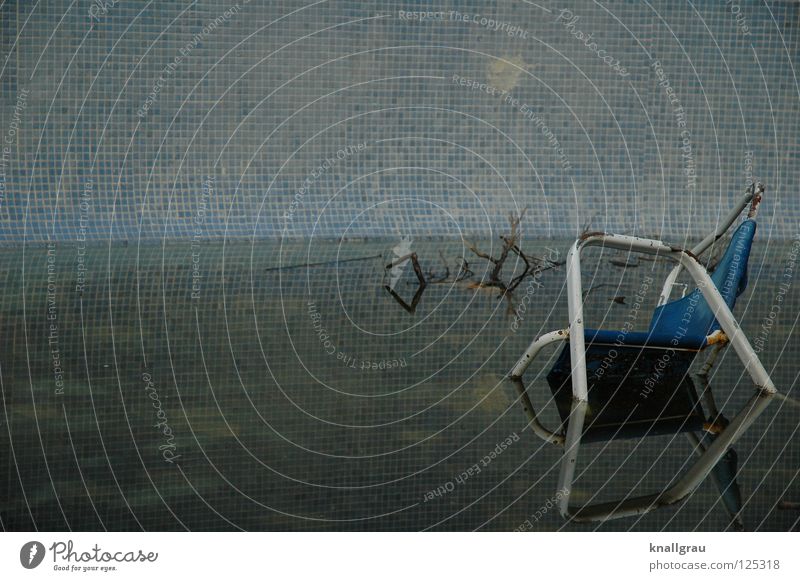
x=615 y=384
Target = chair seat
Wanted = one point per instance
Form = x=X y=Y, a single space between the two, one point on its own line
x=654 y=338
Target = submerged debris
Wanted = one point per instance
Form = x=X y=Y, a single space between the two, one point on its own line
x=532 y=266
x=420 y=277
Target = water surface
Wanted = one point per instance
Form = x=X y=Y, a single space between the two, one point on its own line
x=226 y=385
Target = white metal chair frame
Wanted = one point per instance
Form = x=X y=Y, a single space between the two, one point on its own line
x=708 y=458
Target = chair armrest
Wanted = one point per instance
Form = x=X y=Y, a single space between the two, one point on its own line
x=545 y=434
x=516 y=378
x=533 y=350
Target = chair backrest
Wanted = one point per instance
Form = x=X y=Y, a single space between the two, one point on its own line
x=691 y=318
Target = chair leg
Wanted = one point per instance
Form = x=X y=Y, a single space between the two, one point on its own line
x=724 y=479
x=701 y=382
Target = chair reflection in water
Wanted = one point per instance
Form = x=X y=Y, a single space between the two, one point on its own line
x=627 y=384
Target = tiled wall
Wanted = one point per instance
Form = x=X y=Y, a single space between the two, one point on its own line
x=133 y=119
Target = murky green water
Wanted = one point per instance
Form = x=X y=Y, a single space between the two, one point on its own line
x=171 y=387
